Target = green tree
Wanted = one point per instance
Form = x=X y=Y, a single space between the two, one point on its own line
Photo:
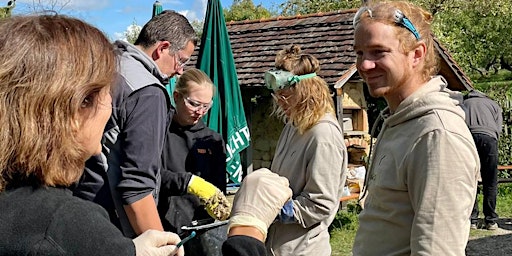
x=246 y=10
x=296 y=7
x=477 y=34
x=5 y=12
x=132 y=32
x=198 y=27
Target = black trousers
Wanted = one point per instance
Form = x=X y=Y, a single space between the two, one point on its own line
x=487 y=148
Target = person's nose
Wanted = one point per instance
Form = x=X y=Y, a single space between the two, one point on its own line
x=201 y=111
x=365 y=64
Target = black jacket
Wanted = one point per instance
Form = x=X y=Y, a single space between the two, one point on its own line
x=50 y=221
x=243 y=246
x=189 y=150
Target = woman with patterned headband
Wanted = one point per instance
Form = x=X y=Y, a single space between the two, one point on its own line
x=422 y=176
x=310 y=153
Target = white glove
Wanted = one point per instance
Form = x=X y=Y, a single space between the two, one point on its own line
x=157 y=243
x=259 y=199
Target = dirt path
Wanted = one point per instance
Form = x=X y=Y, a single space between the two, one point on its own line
x=496 y=243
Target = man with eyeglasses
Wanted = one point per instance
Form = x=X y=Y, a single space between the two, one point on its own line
x=422 y=177
x=125 y=179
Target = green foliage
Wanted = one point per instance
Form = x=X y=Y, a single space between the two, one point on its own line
x=342 y=241
x=246 y=10
x=343 y=228
x=477 y=34
x=198 y=27
x=5 y=12
x=346 y=219
x=296 y=7
x=132 y=32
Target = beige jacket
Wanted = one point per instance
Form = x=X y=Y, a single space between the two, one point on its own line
x=315 y=164
x=422 y=179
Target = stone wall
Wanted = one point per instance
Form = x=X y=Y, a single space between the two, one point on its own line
x=264 y=134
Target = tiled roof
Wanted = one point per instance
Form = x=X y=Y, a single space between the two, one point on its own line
x=327 y=36
x=450 y=70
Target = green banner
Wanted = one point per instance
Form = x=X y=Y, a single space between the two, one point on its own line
x=227 y=115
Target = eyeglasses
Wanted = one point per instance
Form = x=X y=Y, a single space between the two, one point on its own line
x=398 y=17
x=181 y=63
x=195 y=105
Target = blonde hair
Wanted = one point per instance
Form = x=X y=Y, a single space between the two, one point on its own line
x=51 y=66
x=421 y=19
x=196 y=76
x=312 y=96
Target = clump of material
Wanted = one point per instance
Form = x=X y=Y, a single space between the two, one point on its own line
x=218 y=206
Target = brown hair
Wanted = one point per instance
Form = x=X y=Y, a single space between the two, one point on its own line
x=51 y=65
x=313 y=98
x=420 y=18
x=167 y=26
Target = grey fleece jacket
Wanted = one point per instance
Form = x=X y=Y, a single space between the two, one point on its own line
x=315 y=164
x=422 y=178
x=483 y=115
x=129 y=167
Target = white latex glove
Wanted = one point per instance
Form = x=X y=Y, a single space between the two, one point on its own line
x=157 y=243
x=259 y=199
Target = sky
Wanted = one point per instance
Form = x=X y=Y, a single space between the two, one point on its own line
x=115 y=16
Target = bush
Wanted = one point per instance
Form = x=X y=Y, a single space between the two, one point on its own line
x=346 y=219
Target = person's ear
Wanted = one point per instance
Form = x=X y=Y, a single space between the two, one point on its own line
x=160 y=49
x=419 y=53
x=176 y=96
x=75 y=125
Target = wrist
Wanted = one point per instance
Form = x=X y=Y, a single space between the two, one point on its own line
x=287 y=214
x=248 y=221
x=246 y=231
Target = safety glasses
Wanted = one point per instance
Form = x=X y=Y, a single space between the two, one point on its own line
x=181 y=63
x=398 y=17
x=195 y=105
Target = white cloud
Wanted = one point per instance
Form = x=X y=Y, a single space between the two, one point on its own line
x=130 y=30
x=119 y=36
x=197 y=12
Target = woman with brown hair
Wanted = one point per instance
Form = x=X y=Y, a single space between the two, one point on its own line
x=55 y=77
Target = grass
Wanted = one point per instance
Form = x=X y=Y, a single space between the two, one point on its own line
x=343 y=229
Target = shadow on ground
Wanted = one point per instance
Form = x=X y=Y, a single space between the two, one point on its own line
x=492 y=245
x=498 y=243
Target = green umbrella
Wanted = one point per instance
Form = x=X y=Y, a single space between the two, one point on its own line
x=227 y=113
x=157 y=8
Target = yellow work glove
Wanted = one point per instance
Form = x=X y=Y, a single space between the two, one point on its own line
x=214 y=201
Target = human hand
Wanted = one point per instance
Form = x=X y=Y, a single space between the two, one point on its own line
x=157 y=243
x=259 y=200
x=214 y=201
